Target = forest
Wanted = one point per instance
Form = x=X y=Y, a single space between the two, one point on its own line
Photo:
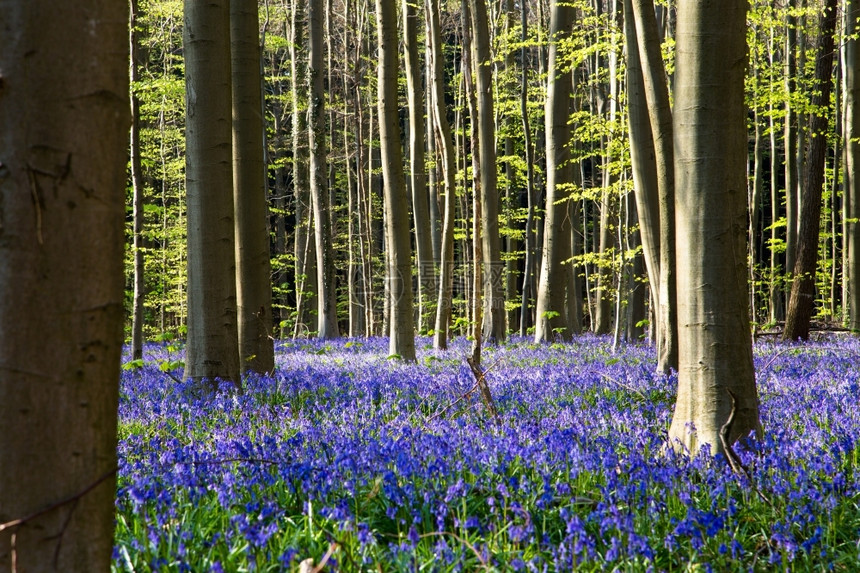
x=358 y=285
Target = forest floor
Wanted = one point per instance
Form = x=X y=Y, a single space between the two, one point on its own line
x=363 y=463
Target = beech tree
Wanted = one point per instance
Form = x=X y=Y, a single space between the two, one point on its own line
x=63 y=155
x=553 y=288
x=212 y=349
x=253 y=262
x=398 y=250
x=716 y=380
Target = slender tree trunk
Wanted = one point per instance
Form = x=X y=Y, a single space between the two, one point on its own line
x=494 y=293
x=852 y=162
x=716 y=379
x=645 y=185
x=551 y=320
x=326 y=288
x=253 y=259
x=657 y=97
x=420 y=199
x=398 y=252
x=137 y=186
x=529 y=270
x=443 y=141
x=792 y=134
x=213 y=340
x=62 y=191
x=803 y=285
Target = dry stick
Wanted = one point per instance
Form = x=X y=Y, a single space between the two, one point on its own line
x=69 y=500
x=485 y=388
x=733 y=459
x=622 y=384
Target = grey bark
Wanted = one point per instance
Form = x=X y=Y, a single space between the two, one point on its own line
x=137 y=187
x=212 y=350
x=417 y=170
x=552 y=319
x=493 y=287
x=63 y=155
x=715 y=376
x=399 y=251
x=444 y=144
x=657 y=97
x=326 y=288
x=852 y=162
x=253 y=259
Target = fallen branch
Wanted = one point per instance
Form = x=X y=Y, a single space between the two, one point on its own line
x=481 y=382
x=732 y=457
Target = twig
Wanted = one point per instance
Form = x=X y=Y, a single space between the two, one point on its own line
x=485 y=388
x=622 y=384
x=56 y=505
x=733 y=459
x=461 y=540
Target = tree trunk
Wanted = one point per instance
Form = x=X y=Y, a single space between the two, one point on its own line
x=493 y=288
x=398 y=252
x=253 y=259
x=657 y=97
x=418 y=179
x=442 y=130
x=62 y=191
x=800 y=302
x=326 y=288
x=551 y=320
x=530 y=267
x=852 y=162
x=716 y=379
x=644 y=165
x=213 y=339
x=137 y=186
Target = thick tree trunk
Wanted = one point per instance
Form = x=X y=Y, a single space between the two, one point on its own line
x=213 y=339
x=253 y=259
x=399 y=251
x=326 y=287
x=551 y=320
x=800 y=302
x=657 y=97
x=444 y=144
x=716 y=379
x=137 y=187
x=62 y=191
x=494 y=293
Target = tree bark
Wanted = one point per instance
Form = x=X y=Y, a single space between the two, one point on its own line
x=644 y=166
x=802 y=296
x=551 y=319
x=212 y=350
x=657 y=97
x=253 y=259
x=417 y=171
x=137 y=187
x=494 y=293
x=399 y=251
x=444 y=144
x=63 y=155
x=852 y=163
x=715 y=376
x=326 y=288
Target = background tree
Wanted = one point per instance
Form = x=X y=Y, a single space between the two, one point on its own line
x=212 y=348
x=852 y=161
x=800 y=303
x=326 y=288
x=253 y=259
x=62 y=188
x=136 y=165
x=715 y=376
x=553 y=288
x=398 y=251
